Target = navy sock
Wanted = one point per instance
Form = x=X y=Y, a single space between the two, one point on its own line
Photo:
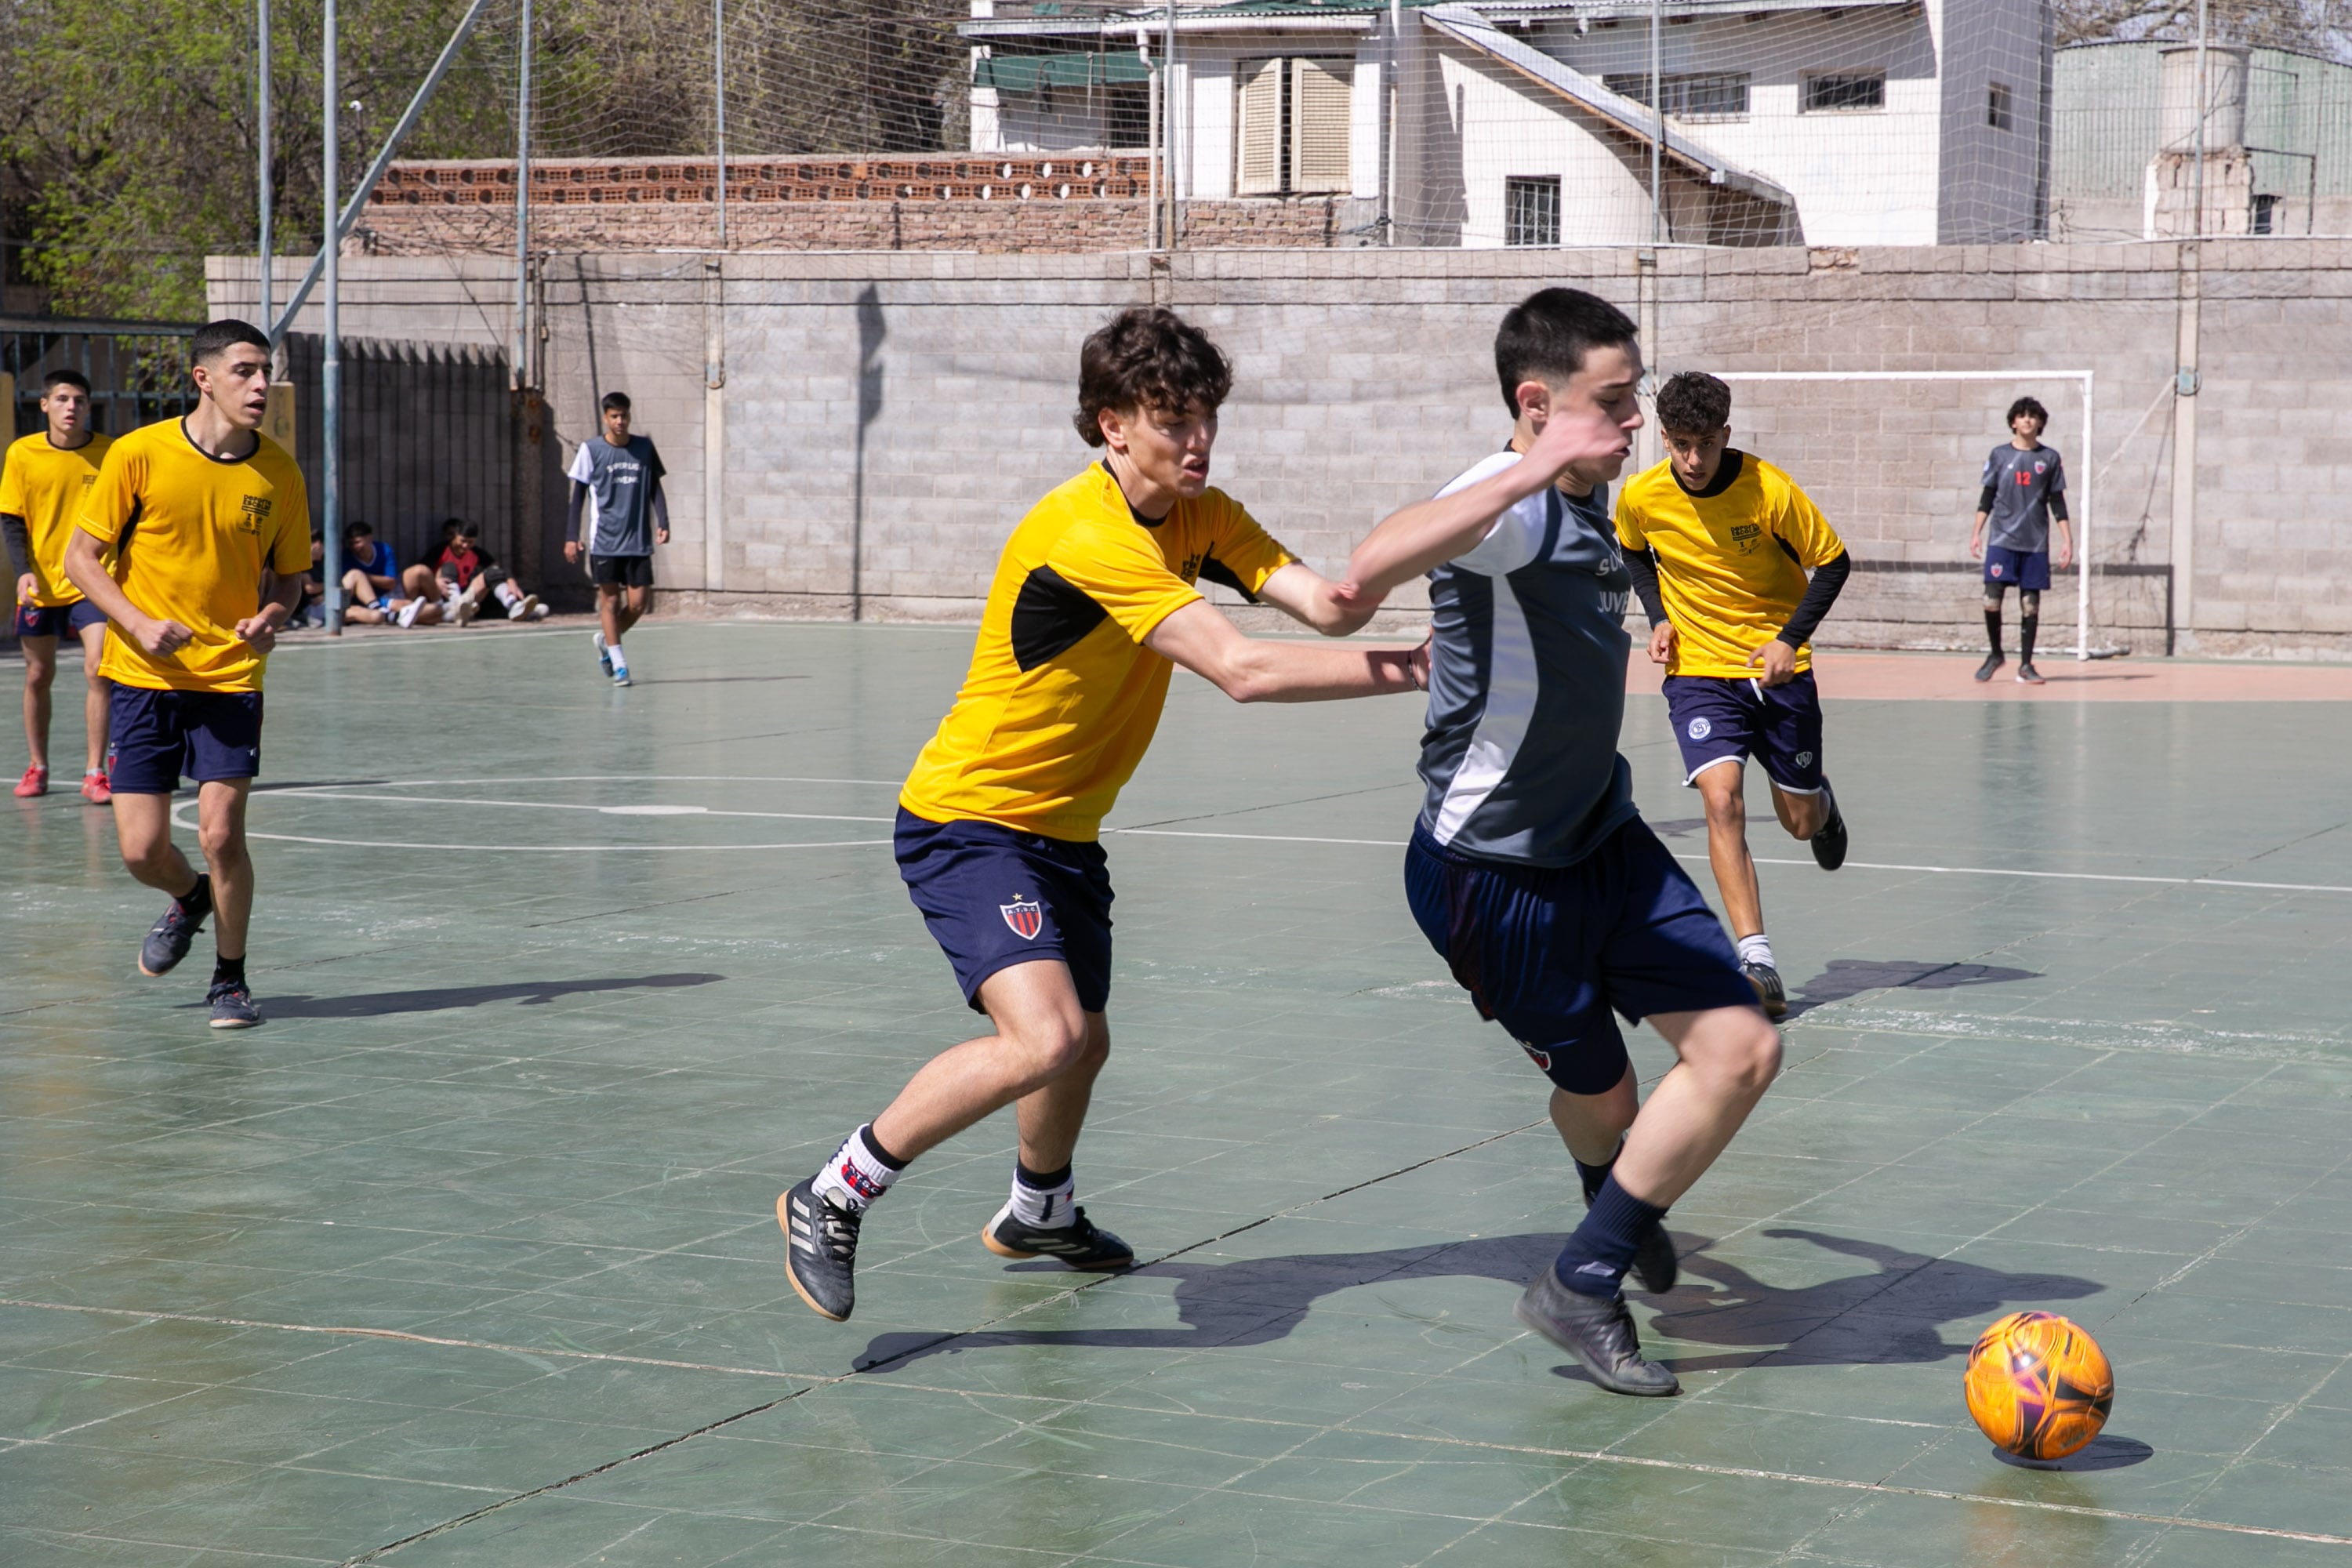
x=1993 y=630
x=228 y=970
x=1596 y=1257
x=2026 y=626
x=1593 y=1177
x=199 y=901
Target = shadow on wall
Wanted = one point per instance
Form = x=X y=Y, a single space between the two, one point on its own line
x=871 y=331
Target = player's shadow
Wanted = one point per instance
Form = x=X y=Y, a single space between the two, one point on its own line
x=437 y=999
x=1890 y=1314
x=1847 y=977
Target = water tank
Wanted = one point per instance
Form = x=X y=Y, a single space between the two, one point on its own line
x=2225 y=97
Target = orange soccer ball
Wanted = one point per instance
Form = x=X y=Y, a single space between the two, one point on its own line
x=2039 y=1386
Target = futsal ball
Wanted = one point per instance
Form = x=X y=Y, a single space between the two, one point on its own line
x=2039 y=1386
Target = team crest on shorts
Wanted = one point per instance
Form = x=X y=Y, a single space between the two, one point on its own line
x=1026 y=918
x=1993 y=570
x=1804 y=759
x=1541 y=1059
x=1700 y=729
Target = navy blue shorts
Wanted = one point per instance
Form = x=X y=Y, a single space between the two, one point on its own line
x=1723 y=720
x=1547 y=952
x=58 y=620
x=994 y=898
x=2028 y=569
x=158 y=736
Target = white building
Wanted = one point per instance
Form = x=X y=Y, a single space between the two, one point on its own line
x=1478 y=123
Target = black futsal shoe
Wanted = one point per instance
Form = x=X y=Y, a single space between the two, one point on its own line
x=1770 y=994
x=1829 y=839
x=2027 y=675
x=232 y=1006
x=1081 y=1244
x=1598 y=1330
x=822 y=1256
x=169 y=939
x=1990 y=667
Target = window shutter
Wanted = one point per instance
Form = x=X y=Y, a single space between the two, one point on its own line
x=1258 y=147
x=1321 y=117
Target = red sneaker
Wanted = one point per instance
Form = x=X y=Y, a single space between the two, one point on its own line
x=95 y=788
x=35 y=782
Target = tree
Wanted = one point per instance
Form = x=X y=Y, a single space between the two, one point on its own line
x=2311 y=26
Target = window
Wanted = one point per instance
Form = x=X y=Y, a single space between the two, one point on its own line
x=1532 y=211
x=1294 y=126
x=1848 y=92
x=1127 y=115
x=1716 y=94
x=1997 y=105
x=2266 y=217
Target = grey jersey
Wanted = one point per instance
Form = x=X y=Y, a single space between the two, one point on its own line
x=621 y=482
x=2022 y=484
x=1527 y=683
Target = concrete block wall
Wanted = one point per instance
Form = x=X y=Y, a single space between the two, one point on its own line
x=887 y=417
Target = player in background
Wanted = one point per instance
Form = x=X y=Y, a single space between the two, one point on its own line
x=2024 y=487
x=1092 y=606
x=1529 y=868
x=623 y=474
x=197 y=511
x=41 y=484
x=1719 y=542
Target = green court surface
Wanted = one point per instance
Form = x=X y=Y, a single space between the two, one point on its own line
x=470 y=1257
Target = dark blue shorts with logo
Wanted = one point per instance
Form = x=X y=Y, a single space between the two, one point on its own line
x=1549 y=951
x=2027 y=569
x=58 y=620
x=1717 y=720
x=994 y=898
x=159 y=736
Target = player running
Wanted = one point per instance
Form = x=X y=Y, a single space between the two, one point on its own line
x=196 y=510
x=41 y=485
x=622 y=473
x=2025 y=488
x=1092 y=606
x=1719 y=542
x=1529 y=868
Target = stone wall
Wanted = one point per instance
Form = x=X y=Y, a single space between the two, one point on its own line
x=886 y=418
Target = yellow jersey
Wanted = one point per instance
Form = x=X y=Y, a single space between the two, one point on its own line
x=192 y=536
x=1062 y=697
x=1731 y=559
x=45 y=484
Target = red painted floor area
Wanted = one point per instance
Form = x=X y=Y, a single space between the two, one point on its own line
x=1949 y=677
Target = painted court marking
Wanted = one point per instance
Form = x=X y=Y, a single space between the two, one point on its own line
x=333 y=792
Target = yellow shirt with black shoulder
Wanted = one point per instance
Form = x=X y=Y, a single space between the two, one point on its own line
x=1732 y=558
x=44 y=484
x=1062 y=697
x=192 y=535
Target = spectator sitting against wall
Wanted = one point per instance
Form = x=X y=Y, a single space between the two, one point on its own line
x=464 y=573
x=374 y=587
x=309 y=607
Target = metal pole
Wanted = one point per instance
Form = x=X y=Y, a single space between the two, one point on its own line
x=1395 y=107
x=383 y=157
x=1152 y=93
x=330 y=374
x=718 y=71
x=2083 y=534
x=521 y=369
x=2204 y=104
x=1658 y=116
x=1168 y=104
x=262 y=36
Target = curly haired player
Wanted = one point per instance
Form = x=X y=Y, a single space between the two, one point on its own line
x=2024 y=489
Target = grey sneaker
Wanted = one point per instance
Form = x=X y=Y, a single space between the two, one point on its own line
x=1770 y=994
x=1598 y=1332
x=232 y=1006
x=168 y=939
x=823 y=1255
x=1081 y=1244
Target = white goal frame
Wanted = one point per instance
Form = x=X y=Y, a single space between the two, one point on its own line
x=2079 y=504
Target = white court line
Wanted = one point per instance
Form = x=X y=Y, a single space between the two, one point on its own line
x=336 y=793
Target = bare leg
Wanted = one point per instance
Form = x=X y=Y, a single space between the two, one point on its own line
x=98 y=698
x=1726 y=845
x=1801 y=814
x=142 y=827
x=40 y=670
x=1593 y=1125
x=420 y=582
x=220 y=825
x=628 y=613
x=1728 y=1056
x=1046 y=1054
x=608 y=610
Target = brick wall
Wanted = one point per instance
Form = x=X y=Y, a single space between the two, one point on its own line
x=1089 y=203
x=888 y=417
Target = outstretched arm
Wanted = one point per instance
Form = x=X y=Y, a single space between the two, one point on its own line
x=1201 y=639
x=1308 y=597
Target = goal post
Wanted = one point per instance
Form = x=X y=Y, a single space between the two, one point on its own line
x=2081 y=501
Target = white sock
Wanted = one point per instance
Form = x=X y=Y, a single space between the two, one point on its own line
x=857 y=1174
x=508 y=594
x=620 y=659
x=1757 y=948
x=1049 y=1207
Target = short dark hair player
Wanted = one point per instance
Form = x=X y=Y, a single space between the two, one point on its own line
x=198 y=510
x=1719 y=543
x=2025 y=488
x=42 y=480
x=622 y=475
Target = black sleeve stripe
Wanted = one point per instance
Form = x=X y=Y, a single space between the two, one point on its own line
x=1217 y=571
x=1051 y=615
